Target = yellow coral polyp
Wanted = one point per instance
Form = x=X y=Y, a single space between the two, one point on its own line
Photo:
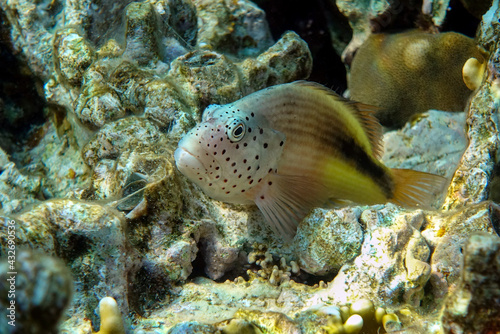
x=360 y=316
x=111 y=318
x=354 y=324
x=391 y=322
x=473 y=72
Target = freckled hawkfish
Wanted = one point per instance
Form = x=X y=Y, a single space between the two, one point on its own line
x=292 y=147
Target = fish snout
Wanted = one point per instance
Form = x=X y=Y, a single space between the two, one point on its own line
x=188 y=163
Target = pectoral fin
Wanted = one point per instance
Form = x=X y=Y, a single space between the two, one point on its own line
x=285 y=200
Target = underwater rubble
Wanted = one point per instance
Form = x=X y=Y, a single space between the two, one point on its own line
x=110 y=237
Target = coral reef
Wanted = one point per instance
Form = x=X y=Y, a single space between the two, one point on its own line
x=405 y=148
x=411 y=72
x=90 y=238
x=95 y=185
x=470 y=182
x=17 y=190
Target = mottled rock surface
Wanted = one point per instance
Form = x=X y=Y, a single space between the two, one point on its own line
x=434 y=142
x=326 y=240
x=474 y=305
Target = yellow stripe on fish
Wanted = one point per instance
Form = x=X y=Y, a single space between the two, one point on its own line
x=292 y=147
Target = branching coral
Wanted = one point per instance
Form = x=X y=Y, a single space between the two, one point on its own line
x=275 y=273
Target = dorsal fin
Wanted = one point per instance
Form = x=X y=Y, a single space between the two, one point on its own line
x=373 y=129
x=363 y=112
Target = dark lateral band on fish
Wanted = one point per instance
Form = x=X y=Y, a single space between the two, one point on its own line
x=292 y=147
x=363 y=163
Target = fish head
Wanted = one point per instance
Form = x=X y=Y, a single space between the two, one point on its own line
x=229 y=153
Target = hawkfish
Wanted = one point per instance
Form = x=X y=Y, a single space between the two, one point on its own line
x=292 y=147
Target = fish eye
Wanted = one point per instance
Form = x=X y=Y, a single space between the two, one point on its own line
x=236 y=130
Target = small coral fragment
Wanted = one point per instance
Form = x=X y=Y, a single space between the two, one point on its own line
x=111 y=318
x=72 y=56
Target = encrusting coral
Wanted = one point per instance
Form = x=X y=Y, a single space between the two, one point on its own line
x=411 y=72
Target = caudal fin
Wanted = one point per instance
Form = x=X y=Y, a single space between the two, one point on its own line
x=416 y=189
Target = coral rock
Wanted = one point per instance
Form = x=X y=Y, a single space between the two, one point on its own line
x=91 y=239
x=210 y=76
x=237 y=28
x=433 y=143
x=16 y=190
x=73 y=56
x=363 y=17
x=192 y=327
x=326 y=240
x=447 y=234
x=474 y=305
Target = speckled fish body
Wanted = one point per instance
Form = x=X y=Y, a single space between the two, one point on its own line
x=292 y=147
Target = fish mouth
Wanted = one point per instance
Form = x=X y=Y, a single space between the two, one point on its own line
x=185 y=160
